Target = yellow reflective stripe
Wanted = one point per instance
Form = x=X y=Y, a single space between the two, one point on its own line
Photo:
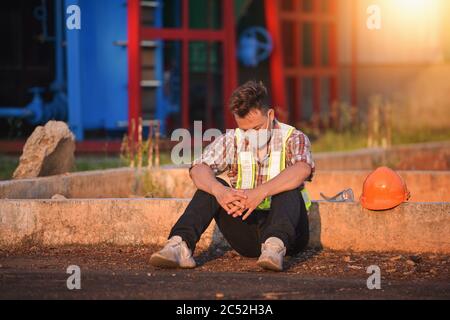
x=270 y=164
x=247 y=170
x=245 y=178
x=268 y=177
x=253 y=172
x=265 y=204
x=239 y=180
x=306 y=198
x=291 y=129
x=237 y=134
x=283 y=152
x=304 y=192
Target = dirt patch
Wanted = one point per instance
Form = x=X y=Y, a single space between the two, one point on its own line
x=311 y=262
x=110 y=272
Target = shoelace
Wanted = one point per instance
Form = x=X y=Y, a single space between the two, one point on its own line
x=184 y=253
x=173 y=243
x=272 y=246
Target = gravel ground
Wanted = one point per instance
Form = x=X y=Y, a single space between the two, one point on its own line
x=111 y=272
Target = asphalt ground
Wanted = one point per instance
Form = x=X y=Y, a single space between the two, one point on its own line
x=111 y=272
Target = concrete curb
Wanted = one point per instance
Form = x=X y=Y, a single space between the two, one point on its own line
x=420 y=156
x=411 y=227
x=425 y=186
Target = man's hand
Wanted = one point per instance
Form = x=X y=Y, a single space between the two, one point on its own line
x=254 y=198
x=288 y=179
x=231 y=200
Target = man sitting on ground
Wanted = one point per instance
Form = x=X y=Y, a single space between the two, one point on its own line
x=264 y=211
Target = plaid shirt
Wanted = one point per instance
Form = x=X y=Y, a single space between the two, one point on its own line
x=221 y=155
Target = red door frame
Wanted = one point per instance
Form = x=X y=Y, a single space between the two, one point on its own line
x=277 y=72
x=275 y=15
x=134 y=66
x=137 y=33
x=354 y=54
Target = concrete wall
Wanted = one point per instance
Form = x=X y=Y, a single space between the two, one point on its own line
x=426 y=156
x=113 y=183
x=411 y=227
x=90 y=184
x=425 y=186
x=332 y=176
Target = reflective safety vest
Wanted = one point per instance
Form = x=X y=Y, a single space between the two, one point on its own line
x=277 y=163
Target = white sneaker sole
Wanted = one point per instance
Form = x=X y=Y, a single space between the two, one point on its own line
x=269 y=265
x=160 y=261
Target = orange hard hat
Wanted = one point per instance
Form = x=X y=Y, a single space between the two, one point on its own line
x=383 y=189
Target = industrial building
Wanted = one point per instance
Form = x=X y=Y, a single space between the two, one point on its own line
x=178 y=61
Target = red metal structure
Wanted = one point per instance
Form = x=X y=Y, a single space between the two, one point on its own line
x=134 y=65
x=289 y=18
x=354 y=64
x=226 y=36
x=276 y=60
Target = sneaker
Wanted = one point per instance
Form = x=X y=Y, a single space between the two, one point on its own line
x=272 y=254
x=175 y=254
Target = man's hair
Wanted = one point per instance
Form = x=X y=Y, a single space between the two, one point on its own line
x=251 y=95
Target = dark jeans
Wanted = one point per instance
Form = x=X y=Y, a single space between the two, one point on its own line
x=287 y=219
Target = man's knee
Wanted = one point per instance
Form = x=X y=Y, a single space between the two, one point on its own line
x=291 y=195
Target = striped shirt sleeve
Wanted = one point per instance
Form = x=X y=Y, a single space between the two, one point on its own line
x=299 y=149
x=217 y=155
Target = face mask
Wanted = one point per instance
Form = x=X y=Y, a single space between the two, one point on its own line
x=264 y=135
x=260 y=137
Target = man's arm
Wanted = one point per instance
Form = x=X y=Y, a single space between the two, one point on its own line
x=288 y=179
x=205 y=180
x=300 y=169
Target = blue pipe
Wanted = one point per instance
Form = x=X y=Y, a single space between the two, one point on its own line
x=40 y=13
x=74 y=94
x=33 y=112
x=15 y=113
x=59 y=81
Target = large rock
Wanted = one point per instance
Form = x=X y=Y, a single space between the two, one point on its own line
x=48 y=151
